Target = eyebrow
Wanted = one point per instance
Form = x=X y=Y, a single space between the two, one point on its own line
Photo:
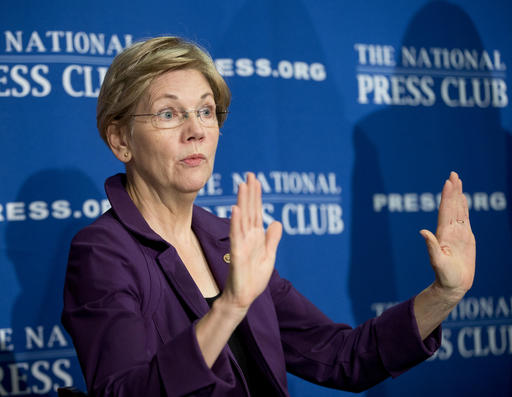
x=172 y=96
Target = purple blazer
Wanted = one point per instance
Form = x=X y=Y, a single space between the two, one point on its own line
x=130 y=307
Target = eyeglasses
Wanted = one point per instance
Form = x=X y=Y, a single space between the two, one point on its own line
x=172 y=118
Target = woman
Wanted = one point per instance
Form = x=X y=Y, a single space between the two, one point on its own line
x=157 y=287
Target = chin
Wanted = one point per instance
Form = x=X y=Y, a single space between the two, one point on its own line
x=193 y=185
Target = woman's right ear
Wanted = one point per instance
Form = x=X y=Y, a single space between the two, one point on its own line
x=117 y=138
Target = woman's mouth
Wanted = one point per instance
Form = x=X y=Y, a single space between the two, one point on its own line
x=194 y=160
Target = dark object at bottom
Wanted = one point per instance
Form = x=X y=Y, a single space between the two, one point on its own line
x=70 y=392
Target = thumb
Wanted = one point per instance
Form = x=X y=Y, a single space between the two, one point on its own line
x=433 y=246
x=273 y=236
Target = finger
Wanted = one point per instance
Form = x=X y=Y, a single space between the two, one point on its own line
x=273 y=236
x=258 y=216
x=461 y=205
x=446 y=214
x=242 y=203
x=460 y=217
x=251 y=188
x=466 y=211
x=235 y=226
x=459 y=184
x=463 y=202
x=465 y=207
x=454 y=178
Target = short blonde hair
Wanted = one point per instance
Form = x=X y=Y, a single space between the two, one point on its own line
x=133 y=70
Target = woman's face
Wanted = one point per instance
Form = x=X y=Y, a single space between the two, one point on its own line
x=179 y=159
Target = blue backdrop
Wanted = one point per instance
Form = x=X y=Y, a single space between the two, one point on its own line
x=351 y=114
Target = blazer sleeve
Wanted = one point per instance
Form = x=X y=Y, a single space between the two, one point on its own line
x=106 y=295
x=342 y=357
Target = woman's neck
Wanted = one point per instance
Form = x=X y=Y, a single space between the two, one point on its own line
x=168 y=213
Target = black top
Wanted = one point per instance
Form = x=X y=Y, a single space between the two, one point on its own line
x=257 y=382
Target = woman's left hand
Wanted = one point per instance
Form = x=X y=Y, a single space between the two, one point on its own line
x=452 y=249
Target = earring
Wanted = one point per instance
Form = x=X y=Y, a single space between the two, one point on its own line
x=125 y=154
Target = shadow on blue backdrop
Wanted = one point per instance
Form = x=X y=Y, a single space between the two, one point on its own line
x=412 y=149
x=59 y=202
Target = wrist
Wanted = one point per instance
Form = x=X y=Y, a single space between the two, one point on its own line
x=450 y=296
x=229 y=309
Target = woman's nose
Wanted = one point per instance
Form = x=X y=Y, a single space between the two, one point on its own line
x=192 y=127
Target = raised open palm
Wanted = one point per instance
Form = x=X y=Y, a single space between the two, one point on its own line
x=253 y=250
x=452 y=249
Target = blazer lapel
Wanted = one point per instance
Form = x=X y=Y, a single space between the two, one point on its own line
x=213 y=235
x=182 y=282
x=214 y=239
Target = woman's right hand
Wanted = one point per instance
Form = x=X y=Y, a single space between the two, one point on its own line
x=253 y=253
x=253 y=250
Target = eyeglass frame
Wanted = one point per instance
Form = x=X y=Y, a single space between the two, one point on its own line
x=184 y=116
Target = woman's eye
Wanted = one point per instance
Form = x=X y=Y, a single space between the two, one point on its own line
x=206 y=112
x=166 y=115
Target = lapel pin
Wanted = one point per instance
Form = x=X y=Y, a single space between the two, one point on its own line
x=227 y=258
